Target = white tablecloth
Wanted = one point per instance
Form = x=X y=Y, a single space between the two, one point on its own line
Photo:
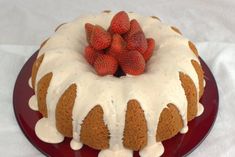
x=25 y=23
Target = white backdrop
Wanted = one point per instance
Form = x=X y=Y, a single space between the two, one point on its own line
x=24 y=24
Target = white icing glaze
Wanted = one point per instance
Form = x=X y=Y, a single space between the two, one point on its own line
x=157 y=87
x=47 y=133
x=75 y=145
x=33 y=104
x=116 y=153
x=30 y=82
x=200 y=109
x=184 y=130
x=153 y=150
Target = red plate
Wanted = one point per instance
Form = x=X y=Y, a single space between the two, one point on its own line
x=180 y=145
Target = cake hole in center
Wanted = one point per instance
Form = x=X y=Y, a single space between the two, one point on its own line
x=119 y=72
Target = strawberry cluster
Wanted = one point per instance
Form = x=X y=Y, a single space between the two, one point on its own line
x=123 y=48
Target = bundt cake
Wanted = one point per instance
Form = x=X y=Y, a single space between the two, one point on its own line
x=117 y=115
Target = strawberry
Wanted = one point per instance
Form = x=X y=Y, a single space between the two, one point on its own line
x=149 y=52
x=134 y=28
x=120 y=23
x=89 y=28
x=132 y=62
x=122 y=49
x=117 y=45
x=100 y=39
x=91 y=54
x=137 y=42
x=110 y=31
x=105 y=65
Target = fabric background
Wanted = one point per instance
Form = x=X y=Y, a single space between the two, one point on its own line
x=24 y=24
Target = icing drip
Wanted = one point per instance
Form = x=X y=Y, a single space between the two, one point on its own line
x=46 y=132
x=153 y=150
x=200 y=109
x=184 y=130
x=116 y=153
x=30 y=82
x=33 y=104
x=75 y=145
x=63 y=56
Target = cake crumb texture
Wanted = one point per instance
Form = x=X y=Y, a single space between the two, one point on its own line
x=43 y=85
x=94 y=132
x=193 y=48
x=135 y=131
x=170 y=123
x=64 y=110
x=176 y=30
x=200 y=74
x=191 y=95
x=155 y=17
x=35 y=68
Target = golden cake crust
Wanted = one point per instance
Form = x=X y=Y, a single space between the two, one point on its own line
x=135 y=130
x=155 y=17
x=64 y=110
x=94 y=132
x=106 y=11
x=200 y=74
x=170 y=123
x=35 y=68
x=193 y=48
x=42 y=87
x=176 y=30
x=43 y=43
x=59 y=26
x=191 y=95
